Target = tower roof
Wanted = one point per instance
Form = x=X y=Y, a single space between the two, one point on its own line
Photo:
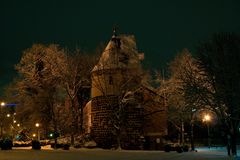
x=120 y=52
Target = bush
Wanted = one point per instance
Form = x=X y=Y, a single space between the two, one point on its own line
x=36 y=145
x=77 y=146
x=6 y=144
x=179 y=149
x=185 y=148
x=167 y=148
x=66 y=146
x=56 y=146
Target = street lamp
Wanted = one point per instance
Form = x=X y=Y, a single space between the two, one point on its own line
x=3 y=104
x=38 y=134
x=1 y=116
x=37 y=124
x=34 y=135
x=207 y=119
x=192 y=125
x=13 y=121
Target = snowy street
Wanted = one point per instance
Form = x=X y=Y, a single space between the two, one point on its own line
x=99 y=154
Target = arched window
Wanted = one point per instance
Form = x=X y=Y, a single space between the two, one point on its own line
x=110 y=80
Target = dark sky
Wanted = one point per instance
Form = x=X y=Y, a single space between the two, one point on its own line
x=162 y=27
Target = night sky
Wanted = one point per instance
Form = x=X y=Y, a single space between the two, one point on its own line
x=161 y=27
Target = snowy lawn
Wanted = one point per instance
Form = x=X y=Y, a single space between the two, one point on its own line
x=99 y=154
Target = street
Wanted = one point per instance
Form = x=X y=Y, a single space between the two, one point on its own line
x=99 y=154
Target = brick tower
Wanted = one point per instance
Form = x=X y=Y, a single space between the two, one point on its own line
x=110 y=79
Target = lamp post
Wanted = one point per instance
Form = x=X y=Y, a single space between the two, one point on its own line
x=38 y=133
x=192 y=126
x=13 y=121
x=1 y=123
x=3 y=104
x=207 y=119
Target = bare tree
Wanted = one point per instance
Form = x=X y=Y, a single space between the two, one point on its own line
x=184 y=73
x=213 y=81
x=75 y=77
x=219 y=59
x=39 y=82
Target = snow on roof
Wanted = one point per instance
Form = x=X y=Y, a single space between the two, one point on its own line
x=120 y=52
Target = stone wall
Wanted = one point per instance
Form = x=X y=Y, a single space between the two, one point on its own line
x=101 y=113
x=103 y=119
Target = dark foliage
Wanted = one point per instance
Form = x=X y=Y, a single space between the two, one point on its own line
x=36 y=145
x=6 y=144
x=219 y=59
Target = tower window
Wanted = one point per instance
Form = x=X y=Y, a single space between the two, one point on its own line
x=110 y=80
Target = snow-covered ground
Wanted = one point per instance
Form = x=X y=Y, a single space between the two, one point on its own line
x=47 y=153
x=47 y=147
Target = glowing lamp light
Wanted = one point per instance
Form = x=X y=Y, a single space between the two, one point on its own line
x=8 y=104
x=51 y=135
x=207 y=118
x=37 y=124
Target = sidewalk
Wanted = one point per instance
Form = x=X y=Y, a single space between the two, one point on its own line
x=219 y=150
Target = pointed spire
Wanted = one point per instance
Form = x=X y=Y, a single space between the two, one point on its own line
x=115 y=38
x=114 y=32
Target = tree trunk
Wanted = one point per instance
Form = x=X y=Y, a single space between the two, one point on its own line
x=81 y=103
x=55 y=142
x=119 y=140
x=55 y=132
x=72 y=139
x=73 y=122
x=231 y=139
x=192 y=138
x=1 y=133
x=182 y=133
x=233 y=142
x=81 y=118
